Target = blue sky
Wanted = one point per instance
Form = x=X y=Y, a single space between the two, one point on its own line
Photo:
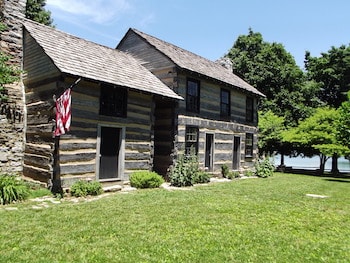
x=209 y=28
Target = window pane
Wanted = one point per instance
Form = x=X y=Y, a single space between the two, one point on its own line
x=192 y=88
x=225 y=103
x=192 y=96
x=249 y=145
x=191 y=139
x=113 y=101
x=225 y=96
x=249 y=109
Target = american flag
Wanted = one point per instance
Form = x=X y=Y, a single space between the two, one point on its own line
x=63 y=113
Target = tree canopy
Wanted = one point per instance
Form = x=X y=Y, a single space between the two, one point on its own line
x=331 y=72
x=317 y=135
x=343 y=123
x=35 y=10
x=270 y=131
x=273 y=71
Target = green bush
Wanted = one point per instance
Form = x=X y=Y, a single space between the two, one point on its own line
x=225 y=171
x=12 y=189
x=233 y=174
x=264 y=168
x=248 y=173
x=84 y=188
x=201 y=178
x=145 y=179
x=185 y=170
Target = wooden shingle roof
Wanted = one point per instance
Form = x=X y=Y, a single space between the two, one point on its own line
x=79 y=57
x=194 y=63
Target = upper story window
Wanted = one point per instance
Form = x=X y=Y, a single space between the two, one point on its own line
x=113 y=101
x=191 y=139
x=192 y=95
x=249 y=109
x=225 y=102
x=249 y=145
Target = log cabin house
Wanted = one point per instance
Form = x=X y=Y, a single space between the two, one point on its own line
x=135 y=108
x=218 y=116
x=114 y=109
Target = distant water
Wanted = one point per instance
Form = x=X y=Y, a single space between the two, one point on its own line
x=312 y=163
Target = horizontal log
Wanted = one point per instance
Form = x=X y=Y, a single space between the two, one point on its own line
x=41 y=128
x=39 y=119
x=45 y=150
x=41 y=107
x=38 y=161
x=78 y=157
x=131 y=156
x=77 y=168
x=137 y=165
x=71 y=145
x=36 y=173
x=42 y=138
x=140 y=147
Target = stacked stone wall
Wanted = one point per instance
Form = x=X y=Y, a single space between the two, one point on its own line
x=12 y=122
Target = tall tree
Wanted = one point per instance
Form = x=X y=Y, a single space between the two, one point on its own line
x=35 y=10
x=272 y=70
x=331 y=71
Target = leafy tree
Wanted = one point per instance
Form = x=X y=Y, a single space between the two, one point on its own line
x=35 y=10
x=273 y=71
x=271 y=141
x=270 y=129
x=316 y=135
x=8 y=73
x=332 y=73
x=343 y=123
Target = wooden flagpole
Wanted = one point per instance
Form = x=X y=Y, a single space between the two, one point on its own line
x=56 y=187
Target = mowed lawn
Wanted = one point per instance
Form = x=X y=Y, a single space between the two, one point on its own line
x=251 y=220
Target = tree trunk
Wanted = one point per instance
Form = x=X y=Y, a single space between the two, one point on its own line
x=323 y=160
x=282 y=160
x=335 y=169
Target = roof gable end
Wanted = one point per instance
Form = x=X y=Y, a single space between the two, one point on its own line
x=76 y=56
x=192 y=62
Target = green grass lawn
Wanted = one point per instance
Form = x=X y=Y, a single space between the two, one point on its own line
x=253 y=220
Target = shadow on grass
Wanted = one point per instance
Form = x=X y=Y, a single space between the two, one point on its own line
x=338 y=180
x=316 y=172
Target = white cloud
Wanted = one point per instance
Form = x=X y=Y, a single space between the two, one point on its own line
x=98 y=11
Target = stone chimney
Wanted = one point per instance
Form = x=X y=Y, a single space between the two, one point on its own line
x=12 y=132
x=225 y=62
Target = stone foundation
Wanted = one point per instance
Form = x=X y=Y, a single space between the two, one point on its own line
x=12 y=120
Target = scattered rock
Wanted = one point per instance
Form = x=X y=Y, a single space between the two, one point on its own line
x=317 y=196
x=112 y=188
x=11 y=208
x=219 y=180
x=128 y=189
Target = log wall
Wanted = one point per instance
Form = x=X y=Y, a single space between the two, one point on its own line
x=208 y=120
x=78 y=148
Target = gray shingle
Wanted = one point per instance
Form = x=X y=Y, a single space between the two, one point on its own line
x=194 y=63
x=89 y=60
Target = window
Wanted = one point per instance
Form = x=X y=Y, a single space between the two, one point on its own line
x=249 y=109
x=249 y=145
x=191 y=139
x=225 y=102
x=192 y=96
x=113 y=101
